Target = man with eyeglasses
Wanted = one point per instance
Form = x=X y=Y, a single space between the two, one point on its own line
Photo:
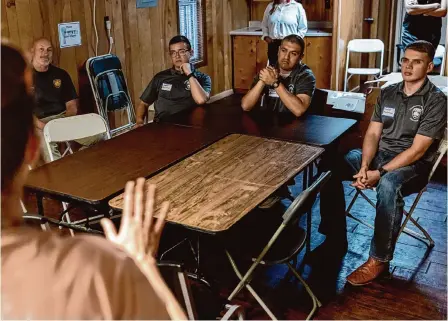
x=397 y=154
x=176 y=89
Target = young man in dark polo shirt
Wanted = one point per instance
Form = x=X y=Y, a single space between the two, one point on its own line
x=398 y=149
x=178 y=88
x=289 y=87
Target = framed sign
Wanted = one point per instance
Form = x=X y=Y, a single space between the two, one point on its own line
x=146 y=3
x=69 y=34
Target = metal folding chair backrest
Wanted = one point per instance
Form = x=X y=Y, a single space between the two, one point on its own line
x=304 y=202
x=109 y=88
x=365 y=45
x=441 y=151
x=73 y=128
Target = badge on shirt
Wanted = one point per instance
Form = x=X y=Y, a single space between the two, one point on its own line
x=291 y=88
x=187 y=84
x=57 y=83
x=273 y=93
x=388 y=112
x=167 y=87
x=416 y=112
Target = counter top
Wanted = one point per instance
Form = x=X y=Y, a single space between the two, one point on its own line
x=256 y=31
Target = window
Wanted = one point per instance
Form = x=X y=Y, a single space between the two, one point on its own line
x=192 y=26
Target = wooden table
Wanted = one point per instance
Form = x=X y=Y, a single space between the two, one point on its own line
x=214 y=188
x=96 y=174
x=227 y=116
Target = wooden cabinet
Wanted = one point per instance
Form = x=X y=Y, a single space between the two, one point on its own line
x=318 y=58
x=250 y=55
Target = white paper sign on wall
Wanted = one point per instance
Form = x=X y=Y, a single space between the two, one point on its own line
x=69 y=34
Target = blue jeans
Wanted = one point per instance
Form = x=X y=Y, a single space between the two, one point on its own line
x=391 y=189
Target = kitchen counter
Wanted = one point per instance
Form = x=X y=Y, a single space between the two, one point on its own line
x=256 y=31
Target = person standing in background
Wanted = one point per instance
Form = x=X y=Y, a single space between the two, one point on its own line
x=423 y=21
x=282 y=18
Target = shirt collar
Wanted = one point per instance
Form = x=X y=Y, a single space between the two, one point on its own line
x=423 y=90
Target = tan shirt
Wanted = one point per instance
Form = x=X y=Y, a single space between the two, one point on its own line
x=45 y=276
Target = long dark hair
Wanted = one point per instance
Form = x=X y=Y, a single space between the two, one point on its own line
x=16 y=114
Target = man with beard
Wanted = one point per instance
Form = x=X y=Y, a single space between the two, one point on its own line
x=286 y=88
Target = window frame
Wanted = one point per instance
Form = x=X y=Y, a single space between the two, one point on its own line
x=202 y=62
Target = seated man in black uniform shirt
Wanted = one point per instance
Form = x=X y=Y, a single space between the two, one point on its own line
x=176 y=89
x=54 y=92
x=287 y=88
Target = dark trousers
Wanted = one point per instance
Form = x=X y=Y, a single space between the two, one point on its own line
x=391 y=189
x=273 y=51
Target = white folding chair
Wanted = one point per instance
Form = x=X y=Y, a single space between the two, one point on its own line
x=440 y=52
x=425 y=237
x=363 y=46
x=64 y=130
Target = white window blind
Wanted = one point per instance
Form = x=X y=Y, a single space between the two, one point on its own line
x=191 y=26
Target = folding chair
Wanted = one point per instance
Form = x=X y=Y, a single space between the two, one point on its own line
x=64 y=130
x=284 y=245
x=177 y=280
x=426 y=238
x=110 y=89
x=363 y=46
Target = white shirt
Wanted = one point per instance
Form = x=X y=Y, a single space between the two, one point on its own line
x=288 y=18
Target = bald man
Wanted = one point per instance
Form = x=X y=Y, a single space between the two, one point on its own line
x=54 y=92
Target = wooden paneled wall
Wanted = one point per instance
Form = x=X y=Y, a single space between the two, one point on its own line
x=141 y=35
x=315 y=10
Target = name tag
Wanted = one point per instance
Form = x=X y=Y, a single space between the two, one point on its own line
x=388 y=112
x=167 y=87
x=273 y=93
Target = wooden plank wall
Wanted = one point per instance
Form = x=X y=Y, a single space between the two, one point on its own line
x=349 y=17
x=141 y=35
x=315 y=10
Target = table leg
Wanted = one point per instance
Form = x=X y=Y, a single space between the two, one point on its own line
x=40 y=205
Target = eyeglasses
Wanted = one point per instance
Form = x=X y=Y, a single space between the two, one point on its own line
x=181 y=52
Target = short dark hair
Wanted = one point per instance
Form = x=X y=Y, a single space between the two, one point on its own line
x=297 y=40
x=180 y=38
x=422 y=46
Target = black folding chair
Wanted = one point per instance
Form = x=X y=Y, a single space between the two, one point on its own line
x=283 y=247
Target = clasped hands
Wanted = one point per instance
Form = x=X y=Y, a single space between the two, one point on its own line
x=268 y=75
x=366 y=179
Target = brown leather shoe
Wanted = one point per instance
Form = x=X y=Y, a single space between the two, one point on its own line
x=368 y=272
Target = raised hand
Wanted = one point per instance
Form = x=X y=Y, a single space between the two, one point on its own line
x=139 y=236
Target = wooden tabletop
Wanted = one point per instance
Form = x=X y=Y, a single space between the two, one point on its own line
x=214 y=188
x=227 y=116
x=99 y=172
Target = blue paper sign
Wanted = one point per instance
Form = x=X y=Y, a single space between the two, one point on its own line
x=146 y=3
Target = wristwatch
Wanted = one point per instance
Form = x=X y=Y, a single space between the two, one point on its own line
x=382 y=171
x=190 y=75
x=276 y=84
